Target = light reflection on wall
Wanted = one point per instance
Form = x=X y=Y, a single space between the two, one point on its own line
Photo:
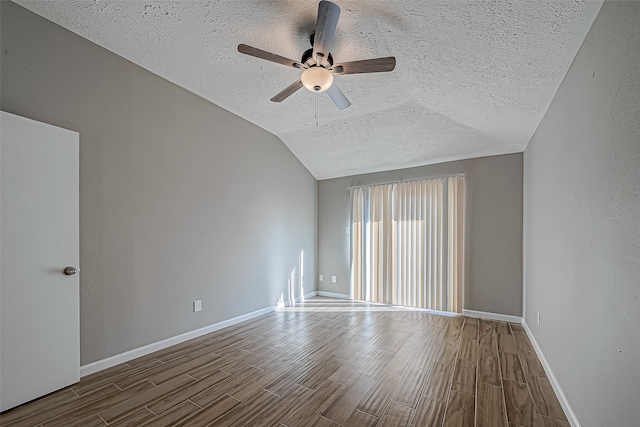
x=295 y=286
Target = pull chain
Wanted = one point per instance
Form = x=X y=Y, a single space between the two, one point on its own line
x=316 y=109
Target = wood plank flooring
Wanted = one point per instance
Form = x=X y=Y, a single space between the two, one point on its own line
x=325 y=362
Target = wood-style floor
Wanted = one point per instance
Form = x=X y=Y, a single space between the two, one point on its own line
x=327 y=363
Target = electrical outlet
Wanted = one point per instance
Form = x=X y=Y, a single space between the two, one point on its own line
x=333 y=279
x=197 y=306
x=538 y=318
x=321 y=277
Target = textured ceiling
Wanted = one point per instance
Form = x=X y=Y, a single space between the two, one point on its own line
x=473 y=78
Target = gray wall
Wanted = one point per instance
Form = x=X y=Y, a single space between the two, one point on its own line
x=494 y=228
x=582 y=224
x=179 y=199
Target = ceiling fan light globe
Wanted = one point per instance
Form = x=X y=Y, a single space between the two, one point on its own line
x=317 y=79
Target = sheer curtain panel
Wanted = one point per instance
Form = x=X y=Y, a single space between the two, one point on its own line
x=371 y=210
x=455 y=237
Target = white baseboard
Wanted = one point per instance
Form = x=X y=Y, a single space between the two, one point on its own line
x=99 y=365
x=298 y=299
x=568 y=411
x=333 y=295
x=492 y=316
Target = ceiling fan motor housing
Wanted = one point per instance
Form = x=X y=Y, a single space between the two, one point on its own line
x=308 y=54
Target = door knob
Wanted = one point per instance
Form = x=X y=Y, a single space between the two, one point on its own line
x=70 y=271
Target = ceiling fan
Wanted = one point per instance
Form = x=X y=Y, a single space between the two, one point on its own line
x=317 y=62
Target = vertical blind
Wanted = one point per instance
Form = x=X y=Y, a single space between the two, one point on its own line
x=407 y=243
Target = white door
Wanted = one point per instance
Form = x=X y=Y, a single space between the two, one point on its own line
x=39 y=304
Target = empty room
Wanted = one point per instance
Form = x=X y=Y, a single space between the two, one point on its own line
x=320 y=213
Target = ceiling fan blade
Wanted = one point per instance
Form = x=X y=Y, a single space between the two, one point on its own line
x=263 y=54
x=338 y=97
x=328 y=14
x=375 y=65
x=288 y=91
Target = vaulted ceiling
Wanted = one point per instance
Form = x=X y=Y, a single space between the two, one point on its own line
x=473 y=78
